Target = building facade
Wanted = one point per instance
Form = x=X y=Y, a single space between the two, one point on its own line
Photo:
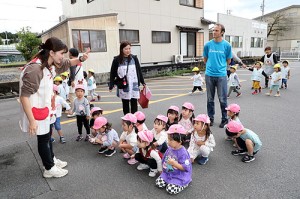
x=247 y=37
x=158 y=30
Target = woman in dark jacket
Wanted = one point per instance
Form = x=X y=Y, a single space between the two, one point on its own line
x=126 y=64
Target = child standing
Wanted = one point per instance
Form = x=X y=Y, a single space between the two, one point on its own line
x=91 y=83
x=197 y=81
x=176 y=163
x=65 y=85
x=61 y=91
x=59 y=103
x=233 y=82
x=172 y=114
x=186 y=119
x=160 y=135
x=128 y=139
x=107 y=137
x=286 y=73
x=95 y=112
x=275 y=81
x=146 y=155
x=256 y=77
x=82 y=110
x=247 y=141
x=140 y=123
x=233 y=111
x=202 y=140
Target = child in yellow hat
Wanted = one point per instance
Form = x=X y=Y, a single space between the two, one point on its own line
x=197 y=81
x=275 y=81
x=233 y=82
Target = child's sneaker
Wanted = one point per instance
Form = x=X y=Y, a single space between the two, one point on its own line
x=203 y=160
x=79 y=137
x=59 y=163
x=228 y=138
x=87 y=137
x=143 y=167
x=98 y=97
x=102 y=150
x=126 y=156
x=153 y=172
x=55 y=172
x=52 y=140
x=268 y=94
x=92 y=100
x=110 y=152
x=248 y=158
x=62 y=140
x=277 y=95
x=132 y=161
x=234 y=145
x=254 y=92
x=238 y=152
x=239 y=95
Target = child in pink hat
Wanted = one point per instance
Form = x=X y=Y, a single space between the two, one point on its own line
x=140 y=124
x=247 y=141
x=146 y=155
x=107 y=137
x=186 y=118
x=160 y=135
x=176 y=163
x=233 y=111
x=95 y=113
x=172 y=113
x=202 y=140
x=128 y=139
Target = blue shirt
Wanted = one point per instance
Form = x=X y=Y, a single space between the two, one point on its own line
x=253 y=137
x=217 y=54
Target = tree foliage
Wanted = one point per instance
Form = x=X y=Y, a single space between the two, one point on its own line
x=28 y=44
x=278 y=24
x=13 y=38
x=1 y=43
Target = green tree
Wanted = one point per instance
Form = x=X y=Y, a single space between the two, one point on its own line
x=28 y=44
x=1 y=43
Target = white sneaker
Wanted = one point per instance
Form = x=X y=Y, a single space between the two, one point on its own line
x=72 y=115
x=55 y=172
x=142 y=167
x=59 y=163
x=153 y=172
x=190 y=93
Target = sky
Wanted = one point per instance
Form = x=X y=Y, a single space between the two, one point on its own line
x=15 y=14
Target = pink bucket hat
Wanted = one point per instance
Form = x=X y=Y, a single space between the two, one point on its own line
x=202 y=118
x=129 y=117
x=99 y=122
x=189 y=106
x=55 y=88
x=96 y=109
x=234 y=126
x=146 y=136
x=140 y=116
x=162 y=118
x=235 y=108
x=175 y=108
x=176 y=128
x=79 y=86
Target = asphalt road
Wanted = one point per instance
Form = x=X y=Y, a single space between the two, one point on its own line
x=274 y=173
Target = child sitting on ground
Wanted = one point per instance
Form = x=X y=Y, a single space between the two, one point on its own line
x=247 y=141
x=140 y=123
x=186 y=119
x=233 y=111
x=172 y=115
x=202 y=140
x=176 y=163
x=95 y=112
x=160 y=135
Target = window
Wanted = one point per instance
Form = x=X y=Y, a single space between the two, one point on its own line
x=93 y=39
x=188 y=44
x=187 y=2
x=89 y=1
x=73 y=1
x=129 y=35
x=235 y=41
x=161 y=37
x=256 y=42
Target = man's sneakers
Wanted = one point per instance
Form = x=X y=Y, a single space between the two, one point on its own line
x=238 y=152
x=211 y=122
x=248 y=158
x=223 y=123
x=203 y=160
x=59 y=163
x=142 y=167
x=55 y=172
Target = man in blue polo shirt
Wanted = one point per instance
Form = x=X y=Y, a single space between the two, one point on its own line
x=217 y=55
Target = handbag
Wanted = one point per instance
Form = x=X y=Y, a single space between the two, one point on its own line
x=122 y=83
x=143 y=100
x=40 y=113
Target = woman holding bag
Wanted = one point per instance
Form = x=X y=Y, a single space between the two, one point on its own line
x=126 y=74
x=38 y=103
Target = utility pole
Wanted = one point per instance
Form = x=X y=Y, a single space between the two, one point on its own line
x=262 y=8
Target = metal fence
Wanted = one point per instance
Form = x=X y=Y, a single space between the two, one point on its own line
x=290 y=55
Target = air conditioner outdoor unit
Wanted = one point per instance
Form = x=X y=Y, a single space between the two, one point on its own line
x=62 y=18
x=178 y=59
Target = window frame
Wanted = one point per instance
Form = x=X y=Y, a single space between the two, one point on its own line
x=187 y=49
x=161 y=42
x=81 y=48
x=193 y=6
x=132 y=42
